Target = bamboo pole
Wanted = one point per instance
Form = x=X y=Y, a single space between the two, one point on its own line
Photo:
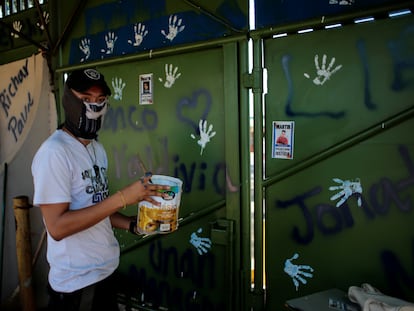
x=21 y=208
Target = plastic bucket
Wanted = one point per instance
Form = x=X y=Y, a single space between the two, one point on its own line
x=152 y=219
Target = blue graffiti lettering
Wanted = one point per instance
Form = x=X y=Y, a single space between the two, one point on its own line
x=220 y=168
x=403 y=59
x=331 y=220
x=116 y=118
x=300 y=200
x=367 y=91
x=142 y=290
x=189 y=265
x=154 y=291
x=396 y=275
x=192 y=174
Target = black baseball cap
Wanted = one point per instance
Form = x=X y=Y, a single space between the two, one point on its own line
x=83 y=79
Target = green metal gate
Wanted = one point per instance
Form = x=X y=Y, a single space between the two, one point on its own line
x=331 y=208
x=338 y=205
x=197 y=266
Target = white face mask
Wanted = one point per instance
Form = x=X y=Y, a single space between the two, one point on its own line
x=83 y=119
x=96 y=110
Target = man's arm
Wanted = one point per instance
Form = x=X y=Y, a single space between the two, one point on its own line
x=121 y=221
x=62 y=222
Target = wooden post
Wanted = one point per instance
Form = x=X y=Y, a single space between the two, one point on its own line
x=21 y=208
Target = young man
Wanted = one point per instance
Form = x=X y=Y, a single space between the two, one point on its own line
x=71 y=188
x=282 y=139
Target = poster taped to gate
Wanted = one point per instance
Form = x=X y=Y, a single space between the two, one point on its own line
x=146 y=95
x=283 y=139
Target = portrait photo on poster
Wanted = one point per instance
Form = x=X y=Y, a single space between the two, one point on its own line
x=283 y=133
x=146 y=95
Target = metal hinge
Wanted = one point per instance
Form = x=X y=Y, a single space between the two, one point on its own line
x=222 y=232
x=254 y=80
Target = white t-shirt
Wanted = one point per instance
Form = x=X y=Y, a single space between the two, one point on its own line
x=64 y=170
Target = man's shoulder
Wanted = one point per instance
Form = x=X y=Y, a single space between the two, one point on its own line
x=55 y=144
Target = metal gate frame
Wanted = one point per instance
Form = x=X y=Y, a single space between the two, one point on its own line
x=255 y=81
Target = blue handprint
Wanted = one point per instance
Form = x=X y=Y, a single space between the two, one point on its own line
x=201 y=244
x=346 y=189
x=297 y=272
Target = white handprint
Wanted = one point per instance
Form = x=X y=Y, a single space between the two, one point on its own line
x=170 y=75
x=110 y=40
x=174 y=27
x=118 y=86
x=46 y=18
x=347 y=188
x=205 y=134
x=139 y=34
x=323 y=73
x=85 y=47
x=17 y=25
x=202 y=245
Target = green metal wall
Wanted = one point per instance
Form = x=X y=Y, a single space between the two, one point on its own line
x=198 y=266
x=175 y=270
x=343 y=203
x=355 y=127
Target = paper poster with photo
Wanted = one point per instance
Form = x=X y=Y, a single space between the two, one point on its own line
x=283 y=139
x=146 y=95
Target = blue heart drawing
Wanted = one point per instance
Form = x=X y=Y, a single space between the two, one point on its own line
x=199 y=98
